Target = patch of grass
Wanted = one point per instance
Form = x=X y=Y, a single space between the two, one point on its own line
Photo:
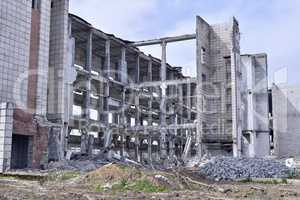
x=7 y=177
x=62 y=176
x=146 y=186
x=123 y=185
x=266 y=181
x=142 y=185
x=21 y=177
x=99 y=188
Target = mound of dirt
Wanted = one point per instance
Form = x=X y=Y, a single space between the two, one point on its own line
x=117 y=177
x=110 y=173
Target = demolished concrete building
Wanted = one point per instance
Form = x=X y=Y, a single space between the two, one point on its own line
x=67 y=86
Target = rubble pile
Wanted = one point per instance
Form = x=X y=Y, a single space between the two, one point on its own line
x=229 y=168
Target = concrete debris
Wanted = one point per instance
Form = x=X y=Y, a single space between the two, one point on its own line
x=229 y=168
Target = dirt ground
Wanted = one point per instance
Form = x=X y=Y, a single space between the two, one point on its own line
x=123 y=182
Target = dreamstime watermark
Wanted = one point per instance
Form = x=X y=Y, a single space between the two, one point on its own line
x=171 y=106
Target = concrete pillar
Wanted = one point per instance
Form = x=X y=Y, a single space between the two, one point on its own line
x=88 y=67
x=149 y=141
x=163 y=76
x=84 y=142
x=87 y=95
x=250 y=109
x=137 y=147
x=122 y=150
x=200 y=67
x=137 y=70
x=107 y=58
x=123 y=121
x=138 y=111
x=188 y=102
x=141 y=150
x=123 y=66
x=150 y=70
x=252 y=144
x=150 y=111
x=180 y=113
x=172 y=145
x=90 y=147
x=236 y=127
x=150 y=91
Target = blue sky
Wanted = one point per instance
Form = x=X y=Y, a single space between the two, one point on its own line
x=271 y=26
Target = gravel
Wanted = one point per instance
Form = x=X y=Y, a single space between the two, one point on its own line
x=229 y=168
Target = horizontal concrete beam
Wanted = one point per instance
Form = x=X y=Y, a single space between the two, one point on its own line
x=160 y=83
x=166 y=40
x=158 y=128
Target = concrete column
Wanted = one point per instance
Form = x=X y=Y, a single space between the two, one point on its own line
x=137 y=124
x=150 y=70
x=122 y=143
x=87 y=98
x=107 y=58
x=150 y=111
x=137 y=72
x=250 y=108
x=236 y=128
x=137 y=147
x=189 y=112
x=90 y=147
x=172 y=145
x=150 y=91
x=149 y=141
x=252 y=144
x=180 y=113
x=107 y=74
x=84 y=142
x=101 y=100
x=123 y=121
x=188 y=101
x=163 y=76
x=88 y=67
x=107 y=105
x=138 y=111
x=141 y=150
x=123 y=66
x=200 y=66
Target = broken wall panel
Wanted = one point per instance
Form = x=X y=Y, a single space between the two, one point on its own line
x=286 y=119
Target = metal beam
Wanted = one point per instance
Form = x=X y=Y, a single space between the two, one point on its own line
x=165 y=39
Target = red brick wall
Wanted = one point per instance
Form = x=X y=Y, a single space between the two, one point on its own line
x=33 y=60
x=25 y=124
x=40 y=145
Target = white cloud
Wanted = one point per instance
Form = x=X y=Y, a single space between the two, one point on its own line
x=119 y=17
x=266 y=26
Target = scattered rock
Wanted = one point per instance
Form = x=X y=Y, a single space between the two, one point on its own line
x=229 y=168
x=224 y=190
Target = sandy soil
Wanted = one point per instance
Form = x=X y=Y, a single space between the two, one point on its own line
x=176 y=186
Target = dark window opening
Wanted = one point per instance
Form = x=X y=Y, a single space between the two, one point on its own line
x=36 y=4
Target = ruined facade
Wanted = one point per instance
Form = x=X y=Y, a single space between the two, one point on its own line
x=83 y=90
x=286 y=119
x=255 y=109
x=24 y=57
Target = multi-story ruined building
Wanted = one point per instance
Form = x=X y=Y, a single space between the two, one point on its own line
x=67 y=86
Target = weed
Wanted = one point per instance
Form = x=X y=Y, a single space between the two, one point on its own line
x=62 y=176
